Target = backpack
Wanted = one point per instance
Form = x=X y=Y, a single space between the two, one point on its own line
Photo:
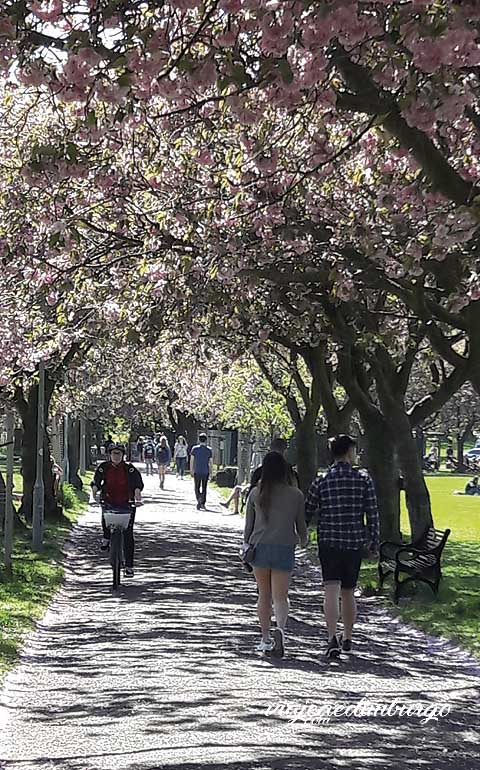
x=149 y=451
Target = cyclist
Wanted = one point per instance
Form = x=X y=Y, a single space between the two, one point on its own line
x=120 y=485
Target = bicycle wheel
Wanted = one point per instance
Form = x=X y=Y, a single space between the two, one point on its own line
x=116 y=555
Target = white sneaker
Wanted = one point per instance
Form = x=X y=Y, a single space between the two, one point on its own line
x=265 y=646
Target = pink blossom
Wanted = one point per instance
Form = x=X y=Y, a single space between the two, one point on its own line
x=185 y=5
x=33 y=76
x=7 y=29
x=230 y=6
x=419 y=115
x=205 y=158
x=428 y=54
x=475 y=292
x=227 y=39
x=47 y=11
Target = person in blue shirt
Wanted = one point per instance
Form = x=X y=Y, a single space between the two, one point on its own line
x=201 y=468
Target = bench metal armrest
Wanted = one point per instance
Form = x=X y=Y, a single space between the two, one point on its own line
x=413 y=552
x=388 y=549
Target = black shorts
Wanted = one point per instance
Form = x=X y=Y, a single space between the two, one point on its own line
x=339 y=565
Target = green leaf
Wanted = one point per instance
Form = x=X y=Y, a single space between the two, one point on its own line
x=124 y=80
x=285 y=70
x=54 y=239
x=238 y=75
x=72 y=151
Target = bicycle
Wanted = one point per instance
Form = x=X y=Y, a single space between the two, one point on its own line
x=118 y=520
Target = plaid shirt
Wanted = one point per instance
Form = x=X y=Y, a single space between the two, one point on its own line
x=339 y=500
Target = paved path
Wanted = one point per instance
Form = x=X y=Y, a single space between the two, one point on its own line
x=164 y=674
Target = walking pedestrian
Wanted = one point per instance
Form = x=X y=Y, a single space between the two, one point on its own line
x=163 y=456
x=279 y=445
x=201 y=468
x=180 y=454
x=140 y=445
x=149 y=455
x=340 y=500
x=274 y=525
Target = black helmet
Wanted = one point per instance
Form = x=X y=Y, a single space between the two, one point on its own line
x=116 y=446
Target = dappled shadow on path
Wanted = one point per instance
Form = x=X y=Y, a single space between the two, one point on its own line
x=168 y=660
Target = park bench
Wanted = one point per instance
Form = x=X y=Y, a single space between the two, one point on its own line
x=419 y=560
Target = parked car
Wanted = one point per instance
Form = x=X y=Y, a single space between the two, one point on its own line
x=472 y=454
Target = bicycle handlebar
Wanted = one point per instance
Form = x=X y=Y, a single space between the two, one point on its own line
x=131 y=503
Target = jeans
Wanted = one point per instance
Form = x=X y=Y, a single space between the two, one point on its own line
x=200 y=488
x=181 y=465
x=128 y=540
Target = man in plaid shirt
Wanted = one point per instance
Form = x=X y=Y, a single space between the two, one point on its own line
x=340 y=501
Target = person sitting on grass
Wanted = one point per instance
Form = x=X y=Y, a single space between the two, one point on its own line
x=238 y=493
x=472 y=488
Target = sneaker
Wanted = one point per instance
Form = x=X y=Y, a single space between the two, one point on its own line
x=105 y=544
x=279 y=642
x=128 y=572
x=265 y=646
x=346 y=645
x=333 y=648
x=224 y=505
x=199 y=507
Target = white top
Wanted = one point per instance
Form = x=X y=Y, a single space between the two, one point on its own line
x=180 y=450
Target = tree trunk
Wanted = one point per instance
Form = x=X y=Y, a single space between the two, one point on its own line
x=420 y=443
x=306 y=443
x=74 y=454
x=383 y=468
x=416 y=492
x=188 y=427
x=3 y=495
x=27 y=408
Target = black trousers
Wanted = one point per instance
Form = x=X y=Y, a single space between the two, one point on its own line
x=128 y=539
x=200 y=488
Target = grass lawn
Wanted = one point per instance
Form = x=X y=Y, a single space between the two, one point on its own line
x=35 y=578
x=455 y=612
x=224 y=492
x=17 y=476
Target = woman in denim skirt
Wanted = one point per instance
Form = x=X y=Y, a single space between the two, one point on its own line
x=274 y=525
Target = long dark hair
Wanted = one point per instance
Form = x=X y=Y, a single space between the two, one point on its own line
x=274 y=471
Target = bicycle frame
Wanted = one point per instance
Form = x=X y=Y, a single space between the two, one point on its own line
x=117 y=520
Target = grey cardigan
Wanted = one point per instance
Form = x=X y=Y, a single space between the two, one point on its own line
x=285 y=523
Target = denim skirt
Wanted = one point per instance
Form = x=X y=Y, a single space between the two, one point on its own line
x=274 y=556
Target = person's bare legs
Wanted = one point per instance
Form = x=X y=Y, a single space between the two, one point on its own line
x=264 y=603
x=349 y=612
x=281 y=605
x=331 y=607
x=234 y=496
